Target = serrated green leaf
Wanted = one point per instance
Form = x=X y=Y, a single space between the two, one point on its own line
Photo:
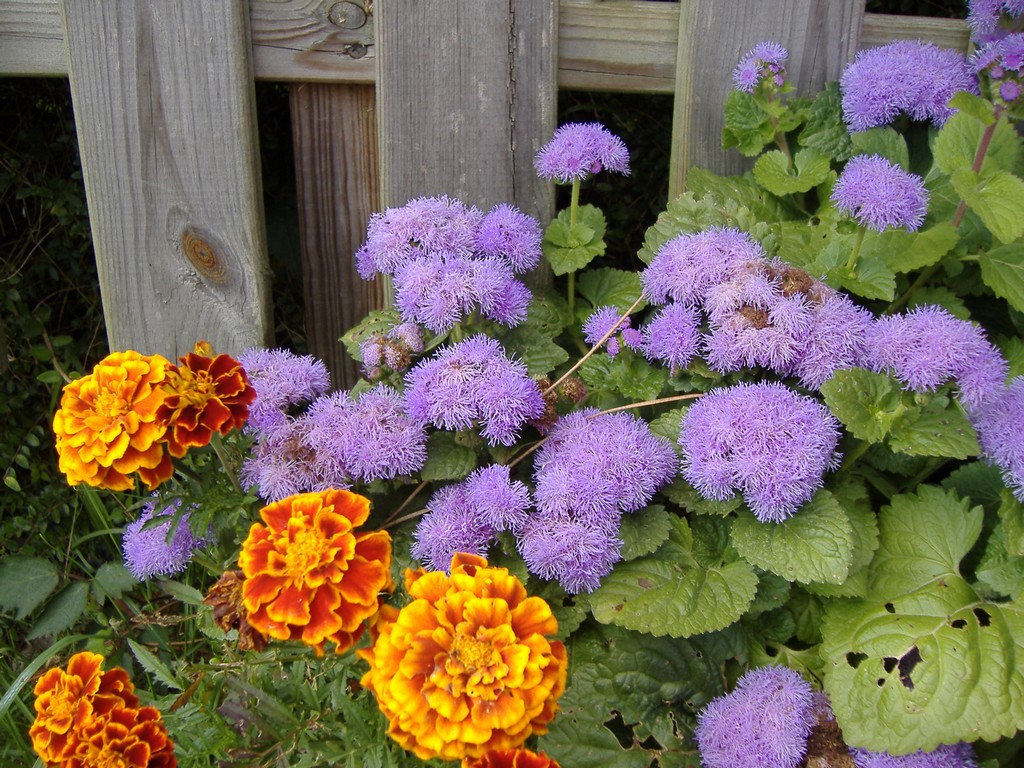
x=886 y=142
x=825 y=129
x=378 y=321
x=773 y=172
x=999 y=572
x=25 y=582
x=906 y=251
x=814 y=545
x=742 y=190
x=609 y=287
x=61 y=612
x=446 y=459
x=539 y=353
x=112 y=580
x=957 y=144
x=747 y=126
x=996 y=197
x=940 y=428
x=569 y=248
x=943 y=297
x=669 y=424
x=867 y=403
x=1002 y=269
x=182 y=592
x=692 y=584
x=626 y=374
x=871 y=278
x=686 y=496
x=644 y=531
x=978 y=481
x=152 y=664
x=974 y=105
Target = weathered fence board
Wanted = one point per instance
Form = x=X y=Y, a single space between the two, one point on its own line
x=164 y=104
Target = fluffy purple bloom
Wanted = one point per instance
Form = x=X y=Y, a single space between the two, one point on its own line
x=148 y=550
x=836 y=339
x=766 y=61
x=366 y=437
x=562 y=547
x=984 y=17
x=879 y=194
x=501 y=501
x=580 y=150
x=927 y=347
x=599 y=465
x=474 y=382
x=764 y=722
x=946 y=756
x=686 y=266
x=763 y=440
x=672 y=335
x=907 y=76
x=283 y=462
x=282 y=380
x=1002 y=61
x=450 y=525
x=508 y=233
x=601 y=321
x=998 y=421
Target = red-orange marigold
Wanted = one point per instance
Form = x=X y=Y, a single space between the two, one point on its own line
x=466 y=667
x=126 y=738
x=510 y=758
x=68 y=700
x=308 y=575
x=107 y=426
x=205 y=394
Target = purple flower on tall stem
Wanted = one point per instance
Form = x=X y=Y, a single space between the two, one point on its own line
x=763 y=440
x=765 y=62
x=151 y=550
x=997 y=421
x=765 y=721
x=879 y=194
x=580 y=150
x=905 y=77
x=945 y=756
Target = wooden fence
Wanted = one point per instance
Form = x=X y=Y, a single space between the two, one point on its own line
x=389 y=100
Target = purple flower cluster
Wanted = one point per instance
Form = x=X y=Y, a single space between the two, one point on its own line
x=282 y=380
x=393 y=349
x=879 y=194
x=580 y=150
x=672 y=335
x=945 y=756
x=448 y=260
x=764 y=722
x=602 y=321
x=473 y=381
x=466 y=516
x=905 y=77
x=593 y=468
x=765 y=62
x=151 y=550
x=926 y=347
x=985 y=16
x=1002 y=61
x=763 y=440
x=998 y=421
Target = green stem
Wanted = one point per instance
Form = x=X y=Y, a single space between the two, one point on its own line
x=574 y=208
x=853 y=456
x=225 y=461
x=855 y=252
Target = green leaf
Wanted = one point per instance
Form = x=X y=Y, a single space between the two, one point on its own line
x=446 y=459
x=1002 y=269
x=61 y=612
x=111 y=580
x=748 y=125
x=977 y=107
x=741 y=190
x=996 y=197
x=378 y=321
x=692 y=584
x=610 y=287
x=644 y=531
x=814 y=545
x=1011 y=517
x=886 y=142
x=825 y=129
x=944 y=297
x=686 y=496
x=867 y=403
x=570 y=248
x=872 y=279
x=25 y=582
x=906 y=251
x=773 y=172
x=538 y=351
x=957 y=143
x=669 y=424
x=182 y=592
x=152 y=664
x=999 y=572
x=626 y=374
x=940 y=428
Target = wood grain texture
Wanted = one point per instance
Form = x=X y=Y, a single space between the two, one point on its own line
x=880 y=29
x=466 y=95
x=334 y=131
x=31 y=38
x=821 y=36
x=164 y=104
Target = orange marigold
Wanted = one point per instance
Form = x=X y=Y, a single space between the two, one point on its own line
x=126 y=738
x=466 y=667
x=205 y=394
x=308 y=575
x=107 y=426
x=67 y=701
x=511 y=758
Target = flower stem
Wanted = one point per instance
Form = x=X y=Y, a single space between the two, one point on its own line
x=853 y=456
x=658 y=401
x=855 y=252
x=225 y=461
x=392 y=517
x=574 y=207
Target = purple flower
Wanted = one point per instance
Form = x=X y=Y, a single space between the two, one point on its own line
x=764 y=722
x=473 y=381
x=686 y=266
x=501 y=501
x=601 y=321
x=763 y=440
x=945 y=756
x=997 y=421
x=147 y=550
x=508 y=233
x=580 y=150
x=836 y=339
x=879 y=194
x=984 y=17
x=282 y=380
x=597 y=465
x=926 y=347
x=766 y=61
x=282 y=462
x=1001 y=61
x=672 y=335
x=907 y=76
x=560 y=546
x=393 y=349
x=450 y=525
x=366 y=437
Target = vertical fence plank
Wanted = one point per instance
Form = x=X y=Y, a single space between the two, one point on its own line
x=164 y=104
x=821 y=36
x=334 y=134
x=467 y=94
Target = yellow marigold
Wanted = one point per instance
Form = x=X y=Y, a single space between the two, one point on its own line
x=205 y=394
x=68 y=700
x=126 y=738
x=107 y=426
x=510 y=758
x=308 y=575
x=466 y=667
